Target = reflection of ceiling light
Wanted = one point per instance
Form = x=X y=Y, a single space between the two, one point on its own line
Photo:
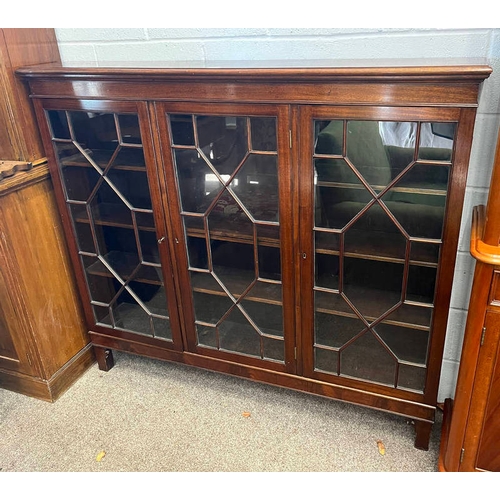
x=214 y=178
x=254 y=182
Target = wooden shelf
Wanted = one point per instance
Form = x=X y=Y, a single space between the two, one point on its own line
x=371 y=303
x=391 y=251
x=102 y=157
x=112 y=215
x=124 y=265
x=131 y=317
x=420 y=188
x=268 y=293
x=224 y=231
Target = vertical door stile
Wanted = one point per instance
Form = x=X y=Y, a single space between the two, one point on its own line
x=165 y=241
x=295 y=184
x=305 y=267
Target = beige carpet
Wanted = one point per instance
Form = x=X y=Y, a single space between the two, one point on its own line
x=148 y=415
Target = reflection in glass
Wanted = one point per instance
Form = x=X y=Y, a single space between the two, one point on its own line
x=263 y=131
x=382 y=187
x=227 y=172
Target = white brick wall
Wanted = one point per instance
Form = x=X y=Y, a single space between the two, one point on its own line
x=96 y=46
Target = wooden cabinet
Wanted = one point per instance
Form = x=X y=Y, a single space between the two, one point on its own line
x=471 y=429
x=44 y=343
x=287 y=225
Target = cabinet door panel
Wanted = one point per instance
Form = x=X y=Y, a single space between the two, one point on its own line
x=227 y=167
x=378 y=186
x=108 y=186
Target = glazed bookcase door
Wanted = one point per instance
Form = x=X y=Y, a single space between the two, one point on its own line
x=228 y=168
x=378 y=180
x=108 y=181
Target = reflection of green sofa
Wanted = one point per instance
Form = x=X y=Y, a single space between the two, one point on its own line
x=420 y=213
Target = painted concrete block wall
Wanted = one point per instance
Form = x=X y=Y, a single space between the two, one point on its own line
x=96 y=46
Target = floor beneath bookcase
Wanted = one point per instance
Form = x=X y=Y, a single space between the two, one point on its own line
x=148 y=415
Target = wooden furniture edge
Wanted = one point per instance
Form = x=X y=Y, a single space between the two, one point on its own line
x=22 y=176
x=489 y=254
x=445 y=432
x=422 y=412
x=328 y=71
x=49 y=390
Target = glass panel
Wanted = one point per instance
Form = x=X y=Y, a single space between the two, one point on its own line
x=233 y=264
x=269 y=254
x=149 y=247
x=182 y=129
x=336 y=205
x=328 y=137
x=418 y=200
x=409 y=314
x=424 y=252
x=211 y=302
x=326 y=360
x=412 y=377
x=58 y=124
x=407 y=344
x=224 y=141
x=198 y=184
x=161 y=328
x=375 y=236
x=95 y=132
x=79 y=182
x=152 y=297
x=127 y=158
x=82 y=229
x=238 y=335
x=273 y=349
x=263 y=134
x=101 y=315
x=129 y=128
x=332 y=330
x=327 y=243
x=103 y=168
x=228 y=219
x=229 y=175
x=256 y=186
x=327 y=271
x=129 y=315
x=267 y=317
x=373 y=287
x=101 y=283
x=367 y=359
x=207 y=336
x=332 y=302
x=366 y=151
x=263 y=291
x=421 y=284
x=436 y=141
x=132 y=186
x=197 y=252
